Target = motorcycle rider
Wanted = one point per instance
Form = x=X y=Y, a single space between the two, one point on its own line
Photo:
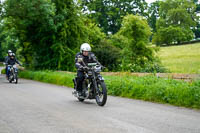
x=11 y=61
x=6 y=58
x=82 y=59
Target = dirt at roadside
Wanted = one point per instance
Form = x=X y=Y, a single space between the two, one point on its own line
x=178 y=76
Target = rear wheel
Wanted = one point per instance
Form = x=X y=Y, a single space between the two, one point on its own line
x=101 y=96
x=84 y=86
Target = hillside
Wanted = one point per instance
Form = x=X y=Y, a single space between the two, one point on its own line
x=181 y=59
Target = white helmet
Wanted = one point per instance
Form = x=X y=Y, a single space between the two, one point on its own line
x=9 y=51
x=85 y=47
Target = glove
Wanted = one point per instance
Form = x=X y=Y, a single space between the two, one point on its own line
x=85 y=68
x=102 y=67
x=82 y=68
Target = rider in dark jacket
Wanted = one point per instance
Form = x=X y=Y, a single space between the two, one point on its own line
x=81 y=61
x=6 y=58
x=11 y=61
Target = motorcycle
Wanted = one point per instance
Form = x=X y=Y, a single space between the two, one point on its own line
x=13 y=74
x=93 y=86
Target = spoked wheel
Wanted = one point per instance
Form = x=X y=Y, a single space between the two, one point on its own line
x=16 y=79
x=101 y=96
x=10 y=78
x=80 y=99
x=84 y=85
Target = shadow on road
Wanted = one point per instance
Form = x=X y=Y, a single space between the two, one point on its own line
x=86 y=102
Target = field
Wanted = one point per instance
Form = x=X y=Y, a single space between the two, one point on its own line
x=181 y=59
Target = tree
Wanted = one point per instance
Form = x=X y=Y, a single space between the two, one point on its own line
x=93 y=34
x=196 y=30
x=177 y=18
x=135 y=32
x=108 y=54
x=109 y=13
x=8 y=40
x=70 y=33
x=49 y=31
x=153 y=14
x=34 y=27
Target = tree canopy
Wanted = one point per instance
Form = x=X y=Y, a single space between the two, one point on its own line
x=109 y=13
x=49 y=33
x=177 y=19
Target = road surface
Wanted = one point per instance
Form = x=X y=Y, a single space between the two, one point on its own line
x=34 y=107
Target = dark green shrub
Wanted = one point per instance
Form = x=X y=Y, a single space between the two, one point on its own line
x=108 y=55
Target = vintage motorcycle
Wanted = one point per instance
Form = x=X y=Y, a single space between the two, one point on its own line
x=13 y=74
x=93 y=86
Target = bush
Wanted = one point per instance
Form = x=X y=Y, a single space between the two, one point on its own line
x=3 y=71
x=1 y=64
x=59 y=78
x=108 y=55
x=154 y=89
x=133 y=40
x=172 y=35
x=149 y=67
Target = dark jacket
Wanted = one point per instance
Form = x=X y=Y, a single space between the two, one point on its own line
x=91 y=58
x=10 y=61
x=6 y=58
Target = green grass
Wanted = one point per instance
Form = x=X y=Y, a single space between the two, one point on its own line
x=181 y=59
x=3 y=71
x=149 y=88
x=1 y=64
x=59 y=78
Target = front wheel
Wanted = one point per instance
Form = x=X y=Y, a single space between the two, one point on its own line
x=81 y=99
x=16 y=78
x=101 y=96
x=10 y=78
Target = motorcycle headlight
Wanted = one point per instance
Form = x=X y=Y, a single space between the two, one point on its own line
x=14 y=66
x=89 y=72
x=98 y=69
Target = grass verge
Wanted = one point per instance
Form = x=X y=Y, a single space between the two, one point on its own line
x=1 y=64
x=149 y=88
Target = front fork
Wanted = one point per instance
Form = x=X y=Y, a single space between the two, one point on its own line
x=75 y=83
x=96 y=90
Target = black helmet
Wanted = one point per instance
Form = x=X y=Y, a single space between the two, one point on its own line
x=12 y=54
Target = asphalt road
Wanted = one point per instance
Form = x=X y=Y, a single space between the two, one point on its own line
x=34 y=107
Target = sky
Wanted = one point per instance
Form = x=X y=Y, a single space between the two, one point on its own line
x=150 y=1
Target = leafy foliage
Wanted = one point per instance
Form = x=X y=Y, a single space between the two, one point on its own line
x=175 y=22
x=136 y=52
x=196 y=30
x=108 y=55
x=49 y=33
x=109 y=13
x=153 y=14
